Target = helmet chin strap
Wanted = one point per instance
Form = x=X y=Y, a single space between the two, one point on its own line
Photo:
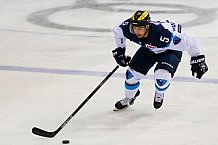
x=147 y=31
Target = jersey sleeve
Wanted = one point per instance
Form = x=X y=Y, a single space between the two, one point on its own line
x=172 y=27
x=187 y=43
x=120 y=39
x=171 y=33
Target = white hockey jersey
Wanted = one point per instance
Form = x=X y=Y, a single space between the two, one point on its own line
x=162 y=36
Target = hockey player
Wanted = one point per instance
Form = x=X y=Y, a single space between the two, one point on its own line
x=161 y=43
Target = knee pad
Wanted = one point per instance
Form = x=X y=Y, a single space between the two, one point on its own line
x=133 y=77
x=162 y=80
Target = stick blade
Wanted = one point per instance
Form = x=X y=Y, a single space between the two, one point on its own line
x=43 y=133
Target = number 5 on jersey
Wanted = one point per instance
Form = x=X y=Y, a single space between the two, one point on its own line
x=164 y=39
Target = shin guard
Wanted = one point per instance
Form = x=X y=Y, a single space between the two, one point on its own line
x=162 y=80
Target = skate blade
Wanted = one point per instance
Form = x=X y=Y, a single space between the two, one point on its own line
x=115 y=109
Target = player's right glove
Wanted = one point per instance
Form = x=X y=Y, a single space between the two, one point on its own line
x=120 y=57
x=198 y=66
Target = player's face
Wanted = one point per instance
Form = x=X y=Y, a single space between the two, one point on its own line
x=139 y=31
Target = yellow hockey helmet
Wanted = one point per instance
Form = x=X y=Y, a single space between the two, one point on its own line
x=140 y=18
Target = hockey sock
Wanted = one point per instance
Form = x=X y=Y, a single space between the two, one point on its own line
x=130 y=90
x=132 y=82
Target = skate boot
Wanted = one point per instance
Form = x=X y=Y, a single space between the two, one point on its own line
x=126 y=102
x=158 y=100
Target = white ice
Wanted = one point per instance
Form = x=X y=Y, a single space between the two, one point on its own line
x=47 y=70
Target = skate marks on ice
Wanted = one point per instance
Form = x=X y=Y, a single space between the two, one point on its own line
x=95 y=73
x=41 y=17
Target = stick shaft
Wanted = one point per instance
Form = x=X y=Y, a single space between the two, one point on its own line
x=44 y=133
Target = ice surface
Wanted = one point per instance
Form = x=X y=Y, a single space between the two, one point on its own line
x=54 y=53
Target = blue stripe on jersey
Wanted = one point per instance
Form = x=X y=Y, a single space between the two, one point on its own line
x=171 y=39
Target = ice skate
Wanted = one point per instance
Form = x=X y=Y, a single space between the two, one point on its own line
x=158 y=100
x=125 y=103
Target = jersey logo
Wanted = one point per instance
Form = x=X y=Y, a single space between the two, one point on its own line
x=150 y=46
x=176 y=40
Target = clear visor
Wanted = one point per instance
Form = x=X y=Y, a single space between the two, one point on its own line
x=138 y=24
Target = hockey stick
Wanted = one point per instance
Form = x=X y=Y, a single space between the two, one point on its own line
x=40 y=132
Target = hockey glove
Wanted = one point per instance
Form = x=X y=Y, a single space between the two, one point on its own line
x=120 y=57
x=198 y=66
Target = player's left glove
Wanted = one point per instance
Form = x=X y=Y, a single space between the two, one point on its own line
x=198 y=66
